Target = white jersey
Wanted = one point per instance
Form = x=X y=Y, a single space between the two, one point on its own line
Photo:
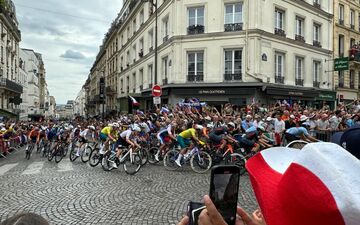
x=126 y=134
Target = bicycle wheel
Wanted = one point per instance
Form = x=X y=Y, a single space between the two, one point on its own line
x=151 y=155
x=107 y=161
x=201 y=162
x=66 y=149
x=143 y=156
x=59 y=154
x=238 y=160
x=72 y=155
x=28 y=152
x=50 y=155
x=131 y=167
x=85 y=157
x=95 y=157
x=169 y=160
x=297 y=144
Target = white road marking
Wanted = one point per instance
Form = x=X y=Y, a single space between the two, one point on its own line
x=7 y=167
x=33 y=168
x=65 y=165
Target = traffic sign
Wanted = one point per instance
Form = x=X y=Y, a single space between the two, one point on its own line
x=157 y=100
x=156 y=91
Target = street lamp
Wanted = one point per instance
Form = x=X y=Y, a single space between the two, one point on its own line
x=154 y=4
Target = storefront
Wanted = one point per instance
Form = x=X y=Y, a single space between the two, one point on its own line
x=326 y=98
x=291 y=94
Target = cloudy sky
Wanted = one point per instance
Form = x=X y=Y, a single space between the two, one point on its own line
x=68 y=34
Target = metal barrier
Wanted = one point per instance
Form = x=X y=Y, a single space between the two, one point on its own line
x=324 y=135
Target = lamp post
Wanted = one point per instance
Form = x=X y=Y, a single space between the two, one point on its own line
x=154 y=4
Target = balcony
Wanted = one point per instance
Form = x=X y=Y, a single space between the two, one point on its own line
x=141 y=87
x=151 y=49
x=316 y=84
x=280 y=32
x=166 y=38
x=352 y=85
x=299 y=82
x=341 y=22
x=110 y=91
x=196 y=29
x=10 y=85
x=299 y=38
x=317 y=44
x=233 y=27
x=141 y=53
x=317 y=5
x=233 y=77
x=195 y=78
x=279 y=79
x=352 y=26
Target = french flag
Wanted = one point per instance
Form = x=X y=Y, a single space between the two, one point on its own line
x=133 y=101
x=318 y=185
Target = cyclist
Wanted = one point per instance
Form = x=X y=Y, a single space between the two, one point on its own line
x=126 y=139
x=165 y=136
x=34 y=136
x=106 y=134
x=220 y=136
x=184 y=140
x=299 y=133
x=87 y=135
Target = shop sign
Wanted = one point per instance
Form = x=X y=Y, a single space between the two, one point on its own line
x=326 y=96
x=212 y=92
x=341 y=64
x=296 y=93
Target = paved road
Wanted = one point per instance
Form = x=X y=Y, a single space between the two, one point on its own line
x=74 y=193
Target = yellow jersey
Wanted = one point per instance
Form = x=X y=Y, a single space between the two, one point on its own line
x=189 y=133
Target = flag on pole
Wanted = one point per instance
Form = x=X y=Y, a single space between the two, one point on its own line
x=133 y=101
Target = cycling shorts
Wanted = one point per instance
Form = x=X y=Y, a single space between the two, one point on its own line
x=103 y=137
x=121 y=143
x=216 y=139
x=183 y=142
x=163 y=138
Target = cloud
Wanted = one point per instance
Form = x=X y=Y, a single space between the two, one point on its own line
x=70 y=54
x=56 y=36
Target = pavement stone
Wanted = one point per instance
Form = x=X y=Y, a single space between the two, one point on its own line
x=81 y=194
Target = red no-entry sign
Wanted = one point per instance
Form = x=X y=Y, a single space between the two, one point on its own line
x=156 y=91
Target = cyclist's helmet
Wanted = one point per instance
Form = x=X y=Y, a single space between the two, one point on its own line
x=231 y=124
x=136 y=128
x=199 y=127
x=91 y=127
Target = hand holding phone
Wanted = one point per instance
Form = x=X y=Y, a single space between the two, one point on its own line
x=224 y=188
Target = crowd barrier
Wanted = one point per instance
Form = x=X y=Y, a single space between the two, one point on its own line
x=324 y=135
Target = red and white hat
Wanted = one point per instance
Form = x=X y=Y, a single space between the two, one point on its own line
x=318 y=185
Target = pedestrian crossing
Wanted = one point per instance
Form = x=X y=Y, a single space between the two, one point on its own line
x=36 y=167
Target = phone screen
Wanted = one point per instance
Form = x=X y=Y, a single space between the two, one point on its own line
x=224 y=192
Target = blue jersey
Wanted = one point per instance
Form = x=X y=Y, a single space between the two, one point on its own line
x=297 y=131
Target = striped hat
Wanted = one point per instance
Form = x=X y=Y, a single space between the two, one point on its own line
x=318 y=185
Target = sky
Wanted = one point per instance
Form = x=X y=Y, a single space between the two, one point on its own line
x=68 y=34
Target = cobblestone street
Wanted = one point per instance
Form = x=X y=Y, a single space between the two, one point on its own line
x=75 y=193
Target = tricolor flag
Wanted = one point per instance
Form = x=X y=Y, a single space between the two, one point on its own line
x=318 y=185
x=133 y=101
x=164 y=110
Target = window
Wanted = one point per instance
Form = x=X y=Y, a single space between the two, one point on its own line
x=299 y=64
x=341 y=78
x=134 y=51
x=122 y=41
x=233 y=61
x=352 y=42
x=128 y=58
x=317 y=30
x=195 y=66
x=141 y=17
x=299 y=26
x=341 y=45
x=121 y=63
x=341 y=14
x=233 y=13
x=133 y=82
x=279 y=19
x=166 y=27
x=128 y=33
x=196 y=16
x=352 y=79
x=134 y=26
x=141 y=78
x=141 y=47
x=352 y=19
x=121 y=86
x=150 y=75
x=151 y=40
x=359 y=80
x=316 y=72
x=279 y=67
x=165 y=68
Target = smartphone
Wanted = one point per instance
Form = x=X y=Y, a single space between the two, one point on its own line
x=194 y=210
x=224 y=190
